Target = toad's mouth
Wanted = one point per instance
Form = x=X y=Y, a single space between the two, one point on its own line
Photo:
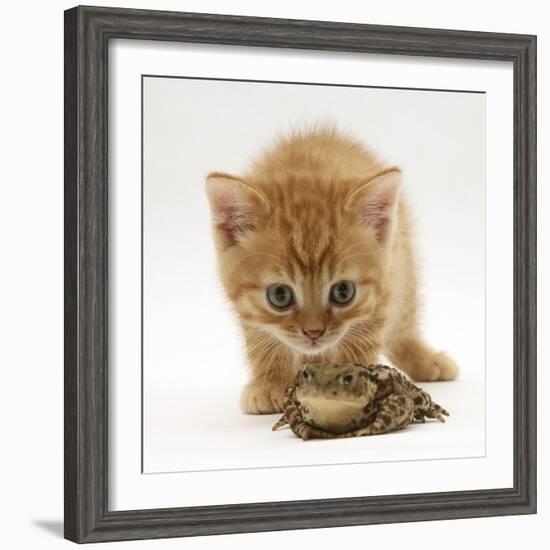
x=329 y=401
x=331 y=413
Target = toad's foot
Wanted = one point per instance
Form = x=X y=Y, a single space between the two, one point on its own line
x=280 y=423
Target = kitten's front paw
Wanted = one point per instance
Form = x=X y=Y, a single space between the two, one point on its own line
x=438 y=366
x=448 y=369
x=258 y=399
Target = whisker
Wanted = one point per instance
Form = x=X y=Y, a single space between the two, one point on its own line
x=348 y=353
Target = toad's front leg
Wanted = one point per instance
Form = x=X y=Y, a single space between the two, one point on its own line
x=306 y=431
x=289 y=403
x=293 y=417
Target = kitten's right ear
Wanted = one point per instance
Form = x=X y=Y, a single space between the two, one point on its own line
x=235 y=207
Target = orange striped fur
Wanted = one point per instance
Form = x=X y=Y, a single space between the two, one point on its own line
x=315 y=209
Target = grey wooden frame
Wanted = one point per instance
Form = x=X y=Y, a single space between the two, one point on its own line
x=87 y=34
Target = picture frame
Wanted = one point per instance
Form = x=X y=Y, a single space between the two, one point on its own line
x=88 y=31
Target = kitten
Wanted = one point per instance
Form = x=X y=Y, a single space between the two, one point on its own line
x=315 y=253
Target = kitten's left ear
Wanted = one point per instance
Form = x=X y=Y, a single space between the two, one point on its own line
x=375 y=200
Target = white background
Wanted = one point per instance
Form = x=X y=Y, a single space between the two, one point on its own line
x=193 y=350
x=30 y=218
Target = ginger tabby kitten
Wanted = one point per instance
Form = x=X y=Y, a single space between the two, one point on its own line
x=315 y=253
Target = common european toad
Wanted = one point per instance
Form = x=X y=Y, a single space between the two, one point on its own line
x=350 y=400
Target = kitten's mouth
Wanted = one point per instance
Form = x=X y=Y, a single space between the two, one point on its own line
x=316 y=345
x=313 y=345
x=308 y=346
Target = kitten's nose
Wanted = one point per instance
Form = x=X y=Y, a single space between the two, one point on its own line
x=314 y=334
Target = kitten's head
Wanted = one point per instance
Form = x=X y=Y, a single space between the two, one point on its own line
x=302 y=257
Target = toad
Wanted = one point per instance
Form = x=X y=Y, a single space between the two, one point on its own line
x=330 y=400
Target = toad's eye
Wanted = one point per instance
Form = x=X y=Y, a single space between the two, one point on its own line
x=342 y=293
x=347 y=379
x=280 y=296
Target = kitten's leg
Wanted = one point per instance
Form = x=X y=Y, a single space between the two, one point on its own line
x=259 y=397
x=419 y=361
x=272 y=371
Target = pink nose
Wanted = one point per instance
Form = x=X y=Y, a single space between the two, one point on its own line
x=314 y=334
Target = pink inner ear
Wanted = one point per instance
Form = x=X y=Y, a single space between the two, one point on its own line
x=376 y=212
x=232 y=217
x=233 y=220
x=375 y=201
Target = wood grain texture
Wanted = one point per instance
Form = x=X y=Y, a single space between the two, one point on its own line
x=87 y=34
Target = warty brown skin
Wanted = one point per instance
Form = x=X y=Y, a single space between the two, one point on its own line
x=329 y=401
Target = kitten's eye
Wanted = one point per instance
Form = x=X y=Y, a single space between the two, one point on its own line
x=280 y=296
x=342 y=293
